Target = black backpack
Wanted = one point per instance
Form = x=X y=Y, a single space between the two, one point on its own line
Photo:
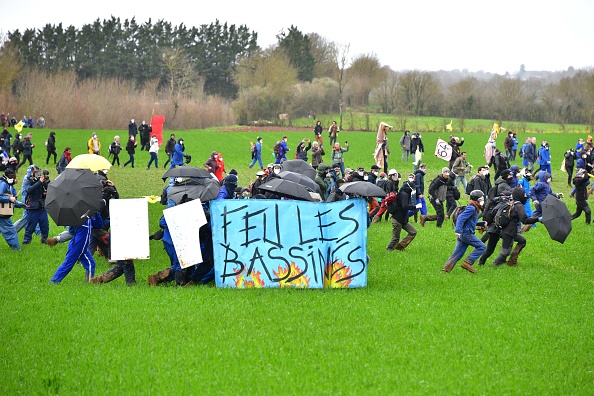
x=277 y=148
x=391 y=200
x=503 y=215
x=490 y=209
x=470 y=185
x=492 y=193
x=457 y=211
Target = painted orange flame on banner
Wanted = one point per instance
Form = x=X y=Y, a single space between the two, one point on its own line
x=243 y=281
x=334 y=272
x=289 y=273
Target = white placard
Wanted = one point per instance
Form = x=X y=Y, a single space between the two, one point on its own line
x=184 y=222
x=129 y=229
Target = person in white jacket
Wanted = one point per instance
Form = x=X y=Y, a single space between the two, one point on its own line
x=154 y=151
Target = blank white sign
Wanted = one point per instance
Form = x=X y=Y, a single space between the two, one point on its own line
x=129 y=229
x=184 y=222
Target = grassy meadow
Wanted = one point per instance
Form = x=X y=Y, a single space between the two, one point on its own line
x=413 y=330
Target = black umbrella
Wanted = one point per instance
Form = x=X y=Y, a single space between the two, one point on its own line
x=556 y=218
x=73 y=196
x=186 y=171
x=198 y=188
x=287 y=188
x=300 y=179
x=363 y=189
x=300 y=166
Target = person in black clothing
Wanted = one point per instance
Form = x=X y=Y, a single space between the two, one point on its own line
x=51 y=147
x=318 y=133
x=437 y=195
x=17 y=147
x=581 y=195
x=27 y=150
x=569 y=164
x=132 y=128
x=405 y=201
x=130 y=148
x=145 y=136
x=114 y=149
x=509 y=233
x=500 y=161
x=169 y=149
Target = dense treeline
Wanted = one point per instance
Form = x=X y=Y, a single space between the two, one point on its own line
x=177 y=68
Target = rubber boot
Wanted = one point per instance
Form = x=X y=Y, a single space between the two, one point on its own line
x=449 y=266
x=513 y=257
x=111 y=274
x=429 y=218
x=51 y=242
x=467 y=265
x=423 y=220
x=405 y=242
x=159 y=277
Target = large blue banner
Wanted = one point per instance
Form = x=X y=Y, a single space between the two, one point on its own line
x=282 y=243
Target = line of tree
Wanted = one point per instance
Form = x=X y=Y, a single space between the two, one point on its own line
x=301 y=74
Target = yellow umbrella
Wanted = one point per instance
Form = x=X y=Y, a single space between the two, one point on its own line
x=93 y=162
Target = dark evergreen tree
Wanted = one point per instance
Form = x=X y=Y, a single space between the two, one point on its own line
x=297 y=47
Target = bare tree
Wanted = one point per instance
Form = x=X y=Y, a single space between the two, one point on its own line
x=418 y=90
x=324 y=52
x=183 y=80
x=386 y=93
x=342 y=75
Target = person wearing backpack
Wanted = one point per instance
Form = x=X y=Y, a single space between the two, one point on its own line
x=405 y=201
x=479 y=181
x=257 y=153
x=465 y=228
x=500 y=162
x=507 y=220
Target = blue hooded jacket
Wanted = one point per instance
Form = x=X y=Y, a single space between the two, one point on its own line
x=544 y=156
x=541 y=189
x=467 y=221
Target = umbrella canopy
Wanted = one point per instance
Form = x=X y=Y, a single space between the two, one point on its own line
x=93 y=162
x=186 y=171
x=287 y=188
x=72 y=195
x=300 y=166
x=363 y=189
x=556 y=218
x=300 y=179
x=198 y=188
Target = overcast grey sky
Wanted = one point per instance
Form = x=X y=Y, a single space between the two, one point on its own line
x=494 y=36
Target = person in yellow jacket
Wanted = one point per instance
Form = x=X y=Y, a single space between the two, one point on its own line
x=94 y=144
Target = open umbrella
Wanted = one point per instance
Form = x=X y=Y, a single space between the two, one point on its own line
x=287 y=188
x=186 y=171
x=198 y=188
x=300 y=166
x=73 y=196
x=363 y=189
x=556 y=218
x=300 y=179
x=93 y=162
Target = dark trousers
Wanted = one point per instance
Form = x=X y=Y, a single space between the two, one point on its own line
x=492 y=238
x=49 y=154
x=582 y=206
x=116 y=158
x=569 y=170
x=439 y=211
x=34 y=217
x=26 y=158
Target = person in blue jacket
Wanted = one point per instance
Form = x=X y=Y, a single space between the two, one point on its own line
x=228 y=188
x=257 y=153
x=178 y=154
x=544 y=157
x=539 y=192
x=37 y=215
x=78 y=250
x=465 y=227
x=8 y=195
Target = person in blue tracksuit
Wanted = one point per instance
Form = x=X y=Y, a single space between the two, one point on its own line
x=22 y=222
x=257 y=153
x=539 y=192
x=465 y=227
x=78 y=250
x=544 y=158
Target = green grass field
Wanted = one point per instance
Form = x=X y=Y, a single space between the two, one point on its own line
x=413 y=330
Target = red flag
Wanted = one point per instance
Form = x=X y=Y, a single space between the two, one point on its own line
x=157 y=122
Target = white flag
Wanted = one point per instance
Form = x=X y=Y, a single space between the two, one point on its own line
x=443 y=150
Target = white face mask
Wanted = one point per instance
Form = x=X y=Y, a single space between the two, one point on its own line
x=365 y=177
x=411 y=180
x=486 y=172
x=10 y=181
x=276 y=171
x=221 y=158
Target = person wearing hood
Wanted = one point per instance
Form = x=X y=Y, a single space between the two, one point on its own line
x=524 y=178
x=8 y=196
x=480 y=181
x=500 y=161
x=220 y=167
x=405 y=144
x=302 y=148
x=322 y=179
x=6 y=136
x=544 y=158
x=416 y=144
x=227 y=190
x=211 y=163
x=569 y=161
x=50 y=145
x=169 y=149
x=420 y=183
x=437 y=194
x=465 y=228
x=132 y=128
x=581 y=181
x=27 y=182
x=405 y=201
x=509 y=233
x=502 y=185
x=178 y=154
x=94 y=145
x=17 y=147
x=514 y=169
x=538 y=193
